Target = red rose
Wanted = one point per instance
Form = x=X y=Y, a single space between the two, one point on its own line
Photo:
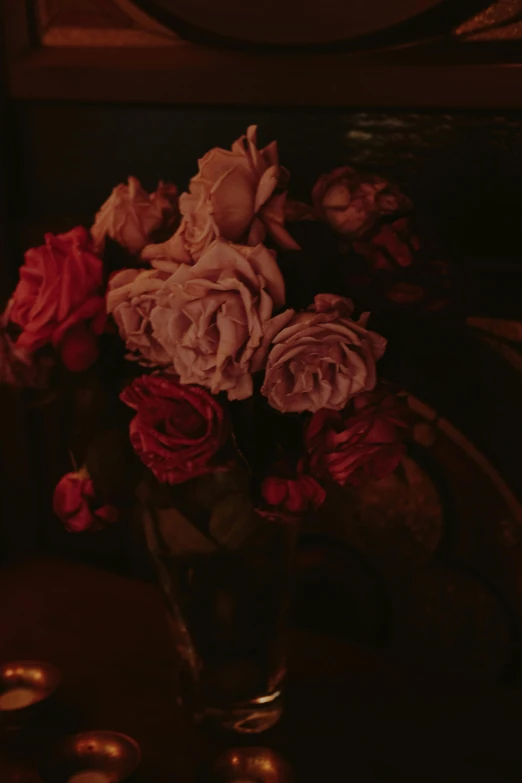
x=59 y=289
x=292 y=496
x=177 y=430
x=362 y=442
x=74 y=504
x=394 y=244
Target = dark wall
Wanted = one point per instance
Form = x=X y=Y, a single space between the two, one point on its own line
x=463 y=170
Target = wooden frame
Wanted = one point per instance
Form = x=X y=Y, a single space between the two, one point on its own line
x=448 y=74
x=434 y=21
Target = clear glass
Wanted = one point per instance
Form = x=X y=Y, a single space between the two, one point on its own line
x=228 y=607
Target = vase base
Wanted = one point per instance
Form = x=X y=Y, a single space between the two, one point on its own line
x=252 y=717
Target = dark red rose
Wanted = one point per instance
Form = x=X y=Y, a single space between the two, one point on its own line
x=393 y=245
x=291 y=495
x=74 y=504
x=178 y=430
x=60 y=288
x=353 y=203
x=364 y=441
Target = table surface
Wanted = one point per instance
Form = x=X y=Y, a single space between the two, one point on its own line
x=352 y=713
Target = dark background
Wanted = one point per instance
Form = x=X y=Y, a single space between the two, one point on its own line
x=463 y=170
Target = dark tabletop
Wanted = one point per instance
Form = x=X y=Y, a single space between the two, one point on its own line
x=352 y=713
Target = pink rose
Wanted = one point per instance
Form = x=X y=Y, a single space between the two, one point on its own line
x=352 y=203
x=362 y=442
x=75 y=505
x=178 y=430
x=215 y=319
x=60 y=289
x=291 y=495
x=234 y=196
x=131 y=296
x=322 y=358
x=131 y=215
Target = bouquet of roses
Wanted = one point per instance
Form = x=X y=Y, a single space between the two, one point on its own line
x=220 y=327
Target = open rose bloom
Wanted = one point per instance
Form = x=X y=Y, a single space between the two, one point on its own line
x=322 y=358
x=216 y=319
x=238 y=195
x=59 y=299
x=192 y=344
x=131 y=296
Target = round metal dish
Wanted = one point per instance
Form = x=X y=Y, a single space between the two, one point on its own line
x=107 y=756
x=24 y=684
x=251 y=765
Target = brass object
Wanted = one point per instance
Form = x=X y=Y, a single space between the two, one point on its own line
x=251 y=765
x=104 y=756
x=500 y=21
x=26 y=683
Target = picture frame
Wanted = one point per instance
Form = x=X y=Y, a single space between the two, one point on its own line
x=445 y=72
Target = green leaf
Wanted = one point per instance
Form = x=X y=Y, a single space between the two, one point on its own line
x=205 y=491
x=233 y=520
x=179 y=535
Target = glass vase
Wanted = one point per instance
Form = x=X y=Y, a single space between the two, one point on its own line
x=225 y=573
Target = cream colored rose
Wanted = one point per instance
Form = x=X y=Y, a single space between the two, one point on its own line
x=215 y=319
x=322 y=358
x=233 y=197
x=131 y=296
x=131 y=215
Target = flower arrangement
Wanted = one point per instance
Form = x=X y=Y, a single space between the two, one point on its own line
x=220 y=327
